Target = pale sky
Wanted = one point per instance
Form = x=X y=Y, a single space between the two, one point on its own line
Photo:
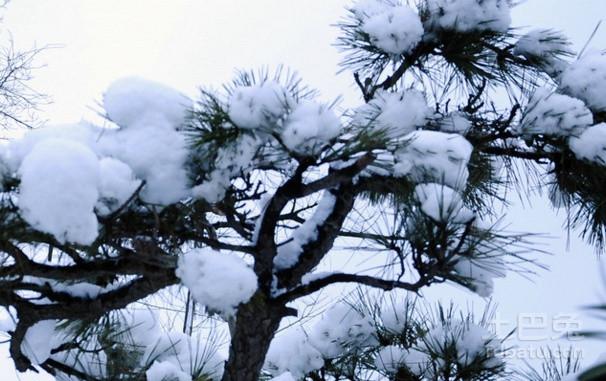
x=188 y=44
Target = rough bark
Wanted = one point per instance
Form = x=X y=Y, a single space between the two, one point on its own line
x=256 y=323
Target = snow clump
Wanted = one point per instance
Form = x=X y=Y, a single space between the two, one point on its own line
x=395 y=29
x=433 y=156
x=217 y=280
x=59 y=190
x=469 y=15
x=395 y=114
x=586 y=79
x=555 y=114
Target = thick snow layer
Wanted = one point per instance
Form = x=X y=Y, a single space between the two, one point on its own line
x=342 y=328
x=586 y=79
x=217 y=280
x=129 y=100
x=164 y=370
x=117 y=185
x=59 y=190
x=435 y=156
x=591 y=144
x=469 y=15
x=292 y=352
x=309 y=127
x=397 y=30
x=288 y=254
x=555 y=115
x=149 y=114
x=231 y=161
x=39 y=341
x=395 y=114
x=442 y=203
x=156 y=153
x=456 y=122
x=258 y=106
x=82 y=132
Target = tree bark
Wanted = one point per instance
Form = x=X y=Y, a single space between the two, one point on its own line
x=256 y=323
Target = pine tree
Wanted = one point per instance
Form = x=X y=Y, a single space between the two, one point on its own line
x=220 y=211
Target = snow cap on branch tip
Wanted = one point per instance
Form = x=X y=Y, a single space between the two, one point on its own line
x=395 y=29
x=433 y=156
x=396 y=114
x=258 y=106
x=309 y=127
x=554 y=114
x=468 y=15
x=219 y=281
x=586 y=79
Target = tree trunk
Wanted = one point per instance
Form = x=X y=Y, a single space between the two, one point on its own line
x=255 y=326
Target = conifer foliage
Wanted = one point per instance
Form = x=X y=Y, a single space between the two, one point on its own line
x=224 y=209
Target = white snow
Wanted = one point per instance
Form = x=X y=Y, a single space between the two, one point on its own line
x=469 y=15
x=546 y=47
x=363 y=9
x=472 y=342
x=258 y=106
x=117 y=185
x=232 y=160
x=442 y=203
x=38 y=341
x=156 y=153
x=309 y=127
x=284 y=377
x=591 y=144
x=434 y=156
x=17 y=149
x=586 y=79
x=555 y=114
x=292 y=352
x=342 y=328
x=394 y=316
x=192 y=355
x=162 y=371
x=7 y=322
x=59 y=190
x=476 y=341
x=149 y=115
x=129 y=101
x=288 y=253
x=395 y=114
x=456 y=122
x=397 y=30
x=480 y=271
x=391 y=358
x=219 y=281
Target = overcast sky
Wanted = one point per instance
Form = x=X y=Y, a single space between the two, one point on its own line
x=188 y=44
